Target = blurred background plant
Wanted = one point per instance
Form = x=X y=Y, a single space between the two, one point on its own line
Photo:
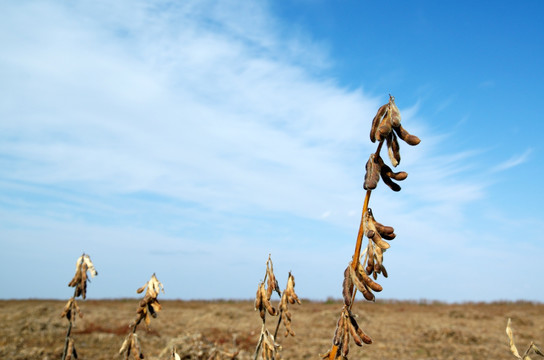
x=267 y=347
x=79 y=283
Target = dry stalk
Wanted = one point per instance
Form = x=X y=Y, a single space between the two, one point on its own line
x=267 y=347
x=386 y=128
x=148 y=307
x=79 y=283
x=532 y=347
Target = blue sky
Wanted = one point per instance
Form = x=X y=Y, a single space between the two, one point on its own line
x=193 y=138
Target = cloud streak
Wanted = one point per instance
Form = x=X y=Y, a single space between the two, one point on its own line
x=513 y=161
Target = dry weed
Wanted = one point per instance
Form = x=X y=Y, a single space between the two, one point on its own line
x=531 y=349
x=148 y=306
x=267 y=347
x=361 y=275
x=79 y=283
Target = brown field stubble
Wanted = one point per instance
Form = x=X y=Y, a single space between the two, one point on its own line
x=33 y=329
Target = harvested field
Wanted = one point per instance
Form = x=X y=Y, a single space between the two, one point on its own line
x=33 y=329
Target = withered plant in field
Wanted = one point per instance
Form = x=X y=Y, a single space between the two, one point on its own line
x=79 y=283
x=267 y=348
x=360 y=275
x=532 y=347
x=148 y=307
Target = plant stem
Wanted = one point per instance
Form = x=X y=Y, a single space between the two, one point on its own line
x=278 y=325
x=69 y=331
x=358 y=246
x=256 y=355
x=67 y=340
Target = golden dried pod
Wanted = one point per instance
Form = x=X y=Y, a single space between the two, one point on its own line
x=258 y=299
x=406 y=136
x=271 y=310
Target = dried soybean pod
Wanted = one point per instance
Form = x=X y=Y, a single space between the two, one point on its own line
x=377 y=239
x=347 y=287
x=395 y=112
x=366 y=339
x=393 y=149
x=258 y=299
x=368 y=281
x=345 y=342
x=399 y=176
x=387 y=180
x=353 y=326
x=356 y=338
x=356 y=281
x=406 y=136
x=270 y=308
x=361 y=286
x=370 y=258
x=385 y=230
x=372 y=175
x=384 y=271
x=339 y=333
x=376 y=121
x=385 y=127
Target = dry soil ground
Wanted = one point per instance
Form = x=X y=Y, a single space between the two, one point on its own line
x=32 y=329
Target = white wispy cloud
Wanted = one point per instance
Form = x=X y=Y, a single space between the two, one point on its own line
x=513 y=161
